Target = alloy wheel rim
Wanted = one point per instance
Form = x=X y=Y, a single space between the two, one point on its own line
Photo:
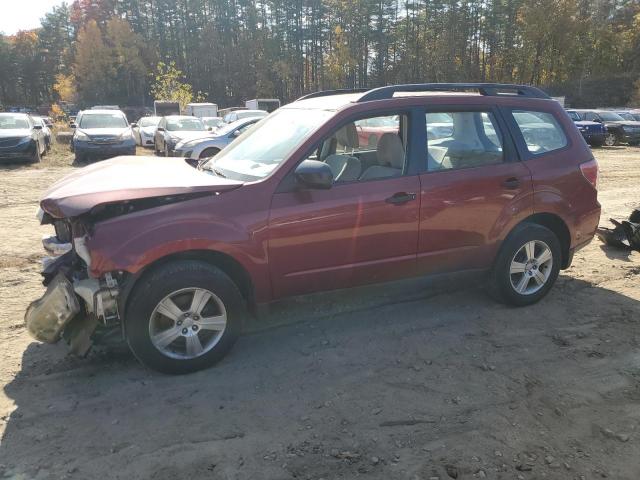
x=610 y=140
x=187 y=323
x=531 y=267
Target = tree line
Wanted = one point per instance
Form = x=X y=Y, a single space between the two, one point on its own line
x=112 y=51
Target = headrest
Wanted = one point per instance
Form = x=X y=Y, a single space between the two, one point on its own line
x=391 y=150
x=347 y=136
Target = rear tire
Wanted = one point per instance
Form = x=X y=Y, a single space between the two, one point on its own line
x=207 y=322
x=209 y=152
x=610 y=139
x=527 y=265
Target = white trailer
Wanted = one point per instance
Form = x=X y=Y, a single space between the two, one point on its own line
x=266 y=104
x=202 y=110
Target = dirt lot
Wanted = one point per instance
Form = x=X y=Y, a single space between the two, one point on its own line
x=413 y=381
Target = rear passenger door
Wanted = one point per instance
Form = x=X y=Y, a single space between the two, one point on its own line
x=474 y=188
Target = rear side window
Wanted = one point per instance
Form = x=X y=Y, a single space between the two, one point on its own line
x=541 y=131
x=458 y=140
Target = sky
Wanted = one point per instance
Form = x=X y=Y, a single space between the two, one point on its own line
x=23 y=14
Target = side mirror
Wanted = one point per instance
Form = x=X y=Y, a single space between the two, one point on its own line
x=236 y=133
x=314 y=174
x=72 y=125
x=210 y=128
x=134 y=125
x=159 y=129
x=37 y=127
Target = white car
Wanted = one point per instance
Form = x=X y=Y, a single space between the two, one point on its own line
x=144 y=130
x=204 y=147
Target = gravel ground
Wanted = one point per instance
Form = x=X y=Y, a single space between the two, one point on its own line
x=417 y=380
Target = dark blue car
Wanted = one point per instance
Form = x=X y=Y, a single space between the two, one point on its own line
x=593 y=132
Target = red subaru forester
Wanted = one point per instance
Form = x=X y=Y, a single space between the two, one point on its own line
x=460 y=177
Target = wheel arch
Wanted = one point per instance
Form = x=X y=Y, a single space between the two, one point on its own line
x=229 y=265
x=558 y=226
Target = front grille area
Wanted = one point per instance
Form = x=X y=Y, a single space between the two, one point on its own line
x=63 y=231
x=10 y=142
x=105 y=140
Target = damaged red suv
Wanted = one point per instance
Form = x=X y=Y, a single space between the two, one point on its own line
x=461 y=177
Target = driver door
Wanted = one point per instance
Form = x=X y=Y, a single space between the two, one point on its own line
x=362 y=230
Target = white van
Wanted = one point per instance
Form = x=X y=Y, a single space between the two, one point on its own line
x=202 y=110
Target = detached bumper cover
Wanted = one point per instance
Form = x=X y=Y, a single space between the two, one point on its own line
x=47 y=317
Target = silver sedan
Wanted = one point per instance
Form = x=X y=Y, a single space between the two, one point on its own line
x=209 y=146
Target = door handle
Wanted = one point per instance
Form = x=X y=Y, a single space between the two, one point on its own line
x=401 y=198
x=511 y=183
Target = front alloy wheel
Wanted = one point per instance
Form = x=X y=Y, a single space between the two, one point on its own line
x=187 y=323
x=183 y=316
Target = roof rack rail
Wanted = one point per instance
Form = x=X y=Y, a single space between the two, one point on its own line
x=325 y=93
x=489 y=89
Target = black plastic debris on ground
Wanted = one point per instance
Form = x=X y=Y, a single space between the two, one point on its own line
x=625 y=234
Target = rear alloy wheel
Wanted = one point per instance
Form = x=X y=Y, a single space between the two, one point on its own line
x=610 y=139
x=527 y=266
x=183 y=317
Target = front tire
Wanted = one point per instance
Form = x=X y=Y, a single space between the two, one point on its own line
x=527 y=265
x=184 y=317
x=37 y=156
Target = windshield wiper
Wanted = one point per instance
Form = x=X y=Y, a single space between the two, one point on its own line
x=206 y=166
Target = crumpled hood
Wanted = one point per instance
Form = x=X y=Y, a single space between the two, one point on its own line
x=586 y=123
x=148 y=130
x=128 y=178
x=103 y=132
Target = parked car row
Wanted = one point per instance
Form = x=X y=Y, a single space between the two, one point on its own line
x=607 y=127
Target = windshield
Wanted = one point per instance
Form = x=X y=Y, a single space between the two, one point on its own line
x=260 y=150
x=149 y=122
x=627 y=116
x=212 y=122
x=103 y=120
x=187 y=123
x=574 y=116
x=610 y=116
x=10 y=122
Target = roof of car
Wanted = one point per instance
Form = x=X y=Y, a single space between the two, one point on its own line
x=173 y=117
x=336 y=99
x=101 y=111
x=13 y=114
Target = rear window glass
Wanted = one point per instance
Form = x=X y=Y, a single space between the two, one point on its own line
x=541 y=131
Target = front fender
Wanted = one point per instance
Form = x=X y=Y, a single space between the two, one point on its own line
x=133 y=242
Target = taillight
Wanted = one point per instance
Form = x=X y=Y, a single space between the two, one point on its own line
x=590 y=171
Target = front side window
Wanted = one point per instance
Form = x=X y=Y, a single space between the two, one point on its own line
x=541 y=131
x=457 y=140
x=262 y=148
x=370 y=148
x=102 y=120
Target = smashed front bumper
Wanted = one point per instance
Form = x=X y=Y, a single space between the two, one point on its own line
x=47 y=317
x=74 y=304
